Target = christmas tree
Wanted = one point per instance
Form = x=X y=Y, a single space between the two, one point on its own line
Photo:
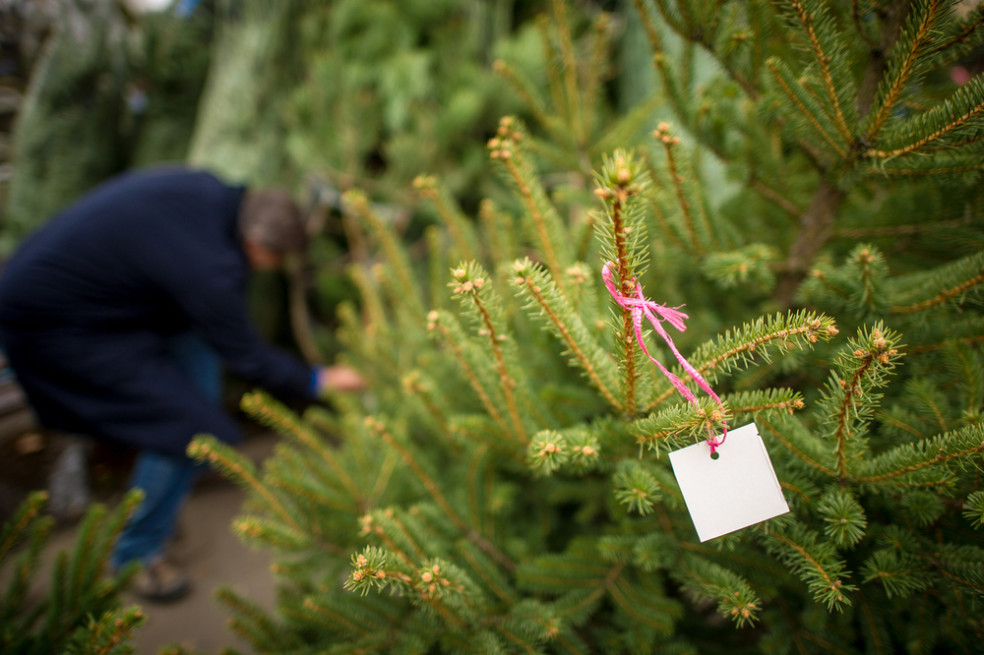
x=80 y=611
x=810 y=190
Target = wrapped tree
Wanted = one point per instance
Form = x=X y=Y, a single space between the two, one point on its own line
x=66 y=137
x=110 y=90
x=810 y=190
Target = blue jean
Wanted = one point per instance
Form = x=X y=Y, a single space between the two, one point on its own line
x=166 y=480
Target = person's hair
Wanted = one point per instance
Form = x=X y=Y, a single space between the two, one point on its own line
x=271 y=218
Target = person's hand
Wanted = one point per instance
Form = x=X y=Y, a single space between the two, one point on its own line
x=339 y=378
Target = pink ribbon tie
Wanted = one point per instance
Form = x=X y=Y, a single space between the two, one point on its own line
x=656 y=314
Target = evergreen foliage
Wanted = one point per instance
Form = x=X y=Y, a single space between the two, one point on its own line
x=111 y=90
x=816 y=203
x=66 y=136
x=79 y=612
x=361 y=94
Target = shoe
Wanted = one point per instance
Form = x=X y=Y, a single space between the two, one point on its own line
x=162 y=581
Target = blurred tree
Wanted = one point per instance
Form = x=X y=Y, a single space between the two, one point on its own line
x=79 y=612
x=66 y=136
x=109 y=90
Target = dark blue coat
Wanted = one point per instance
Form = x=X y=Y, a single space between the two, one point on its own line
x=88 y=302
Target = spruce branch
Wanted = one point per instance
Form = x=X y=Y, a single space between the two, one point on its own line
x=926 y=462
x=103 y=544
x=672 y=16
x=473 y=283
x=79 y=566
x=525 y=90
x=707 y=580
x=860 y=287
x=796 y=440
x=814 y=561
x=679 y=182
x=818 y=26
x=578 y=568
x=107 y=635
x=929 y=289
x=379 y=428
x=843 y=516
x=419 y=385
x=774 y=196
x=270 y=412
x=742 y=346
x=635 y=487
x=570 y=70
x=15 y=529
x=795 y=91
x=929 y=403
x=959 y=114
x=815 y=227
x=372 y=321
x=498 y=232
x=487 y=572
x=555 y=81
x=596 y=69
x=457 y=224
x=680 y=423
x=749 y=266
x=619 y=185
x=673 y=21
x=920 y=167
x=532 y=625
x=576 y=450
x=480 y=429
x=549 y=233
x=357 y=204
x=336 y=620
x=861 y=367
x=762 y=401
x=547 y=452
x=858 y=18
x=636 y=598
x=298 y=484
x=446 y=326
x=277 y=534
x=234 y=465
x=965 y=37
x=901 y=574
x=381 y=524
x=543 y=295
x=434 y=491
x=252 y=623
x=964 y=568
x=911 y=46
x=973 y=509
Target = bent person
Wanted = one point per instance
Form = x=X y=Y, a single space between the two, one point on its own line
x=119 y=314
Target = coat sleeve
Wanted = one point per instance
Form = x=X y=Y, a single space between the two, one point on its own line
x=218 y=309
x=207 y=285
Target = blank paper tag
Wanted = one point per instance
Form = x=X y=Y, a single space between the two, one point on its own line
x=734 y=491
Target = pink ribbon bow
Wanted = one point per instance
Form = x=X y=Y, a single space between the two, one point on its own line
x=656 y=314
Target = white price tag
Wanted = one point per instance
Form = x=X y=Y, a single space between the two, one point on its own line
x=737 y=489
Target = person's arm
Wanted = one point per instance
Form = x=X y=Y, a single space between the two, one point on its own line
x=212 y=296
